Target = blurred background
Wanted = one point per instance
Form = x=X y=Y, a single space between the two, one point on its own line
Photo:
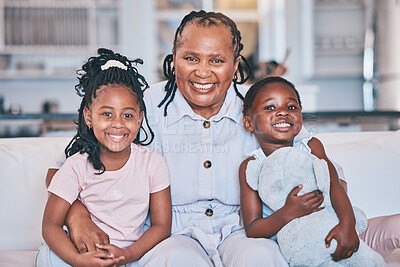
x=342 y=55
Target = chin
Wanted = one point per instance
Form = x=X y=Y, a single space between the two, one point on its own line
x=116 y=148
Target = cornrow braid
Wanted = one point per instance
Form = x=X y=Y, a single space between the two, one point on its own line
x=96 y=72
x=206 y=19
x=255 y=88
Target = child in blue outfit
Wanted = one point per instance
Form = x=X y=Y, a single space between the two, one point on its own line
x=272 y=112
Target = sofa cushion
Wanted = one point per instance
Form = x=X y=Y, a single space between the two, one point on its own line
x=20 y=258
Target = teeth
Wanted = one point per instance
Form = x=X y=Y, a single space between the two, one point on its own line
x=203 y=86
x=116 y=136
x=283 y=124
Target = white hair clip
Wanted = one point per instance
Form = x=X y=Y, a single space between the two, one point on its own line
x=113 y=63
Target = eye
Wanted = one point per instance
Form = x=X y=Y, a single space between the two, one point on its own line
x=192 y=59
x=107 y=114
x=292 y=107
x=217 y=61
x=270 y=107
x=128 y=115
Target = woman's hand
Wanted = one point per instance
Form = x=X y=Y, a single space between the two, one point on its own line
x=84 y=233
x=299 y=206
x=347 y=241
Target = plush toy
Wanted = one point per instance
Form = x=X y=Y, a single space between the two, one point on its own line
x=302 y=241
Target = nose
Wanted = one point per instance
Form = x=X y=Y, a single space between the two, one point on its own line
x=117 y=122
x=282 y=112
x=203 y=70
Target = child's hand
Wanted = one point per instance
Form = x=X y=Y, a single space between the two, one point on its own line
x=347 y=241
x=299 y=206
x=116 y=252
x=97 y=258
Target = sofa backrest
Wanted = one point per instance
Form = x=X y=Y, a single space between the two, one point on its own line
x=371 y=164
x=23 y=167
x=370 y=161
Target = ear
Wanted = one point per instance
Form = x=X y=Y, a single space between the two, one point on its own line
x=140 y=117
x=173 y=57
x=248 y=124
x=236 y=65
x=88 y=117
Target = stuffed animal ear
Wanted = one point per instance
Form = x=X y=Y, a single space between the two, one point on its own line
x=322 y=177
x=361 y=220
x=253 y=173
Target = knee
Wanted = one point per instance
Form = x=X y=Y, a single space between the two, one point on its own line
x=183 y=246
x=261 y=250
x=176 y=251
x=383 y=229
x=47 y=258
x=391 y=222
x=256 y=252
x=42 y=256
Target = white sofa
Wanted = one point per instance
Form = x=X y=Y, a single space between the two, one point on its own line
x=370 y=160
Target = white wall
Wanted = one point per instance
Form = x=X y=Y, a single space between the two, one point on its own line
x=139 y=41
x=335 y=93
x=388 y=51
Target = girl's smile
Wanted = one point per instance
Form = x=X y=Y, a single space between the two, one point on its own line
x=115 y=117
x=275 y=116
x=283 y=125
x=117 y=138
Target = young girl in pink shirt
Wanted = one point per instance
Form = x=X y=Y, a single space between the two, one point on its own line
x=107 y=168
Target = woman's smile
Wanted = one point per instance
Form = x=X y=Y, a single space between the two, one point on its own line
x=203 y=88
x=205 y=65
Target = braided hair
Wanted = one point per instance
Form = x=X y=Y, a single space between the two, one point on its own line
x=205 y=19
x=108 y=68
x=255 y=88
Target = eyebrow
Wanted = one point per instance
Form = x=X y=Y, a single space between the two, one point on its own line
x=209 y=55
x=273 y=98
x=126 y=108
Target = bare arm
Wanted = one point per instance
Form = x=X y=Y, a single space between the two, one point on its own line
x=49 y=176
x=83 y=232
x=344 y=185
x=161 y=218
x=251 y=207
x=344 y=233
x=53 y=221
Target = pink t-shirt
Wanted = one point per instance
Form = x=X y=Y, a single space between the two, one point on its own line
x=118 y=201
